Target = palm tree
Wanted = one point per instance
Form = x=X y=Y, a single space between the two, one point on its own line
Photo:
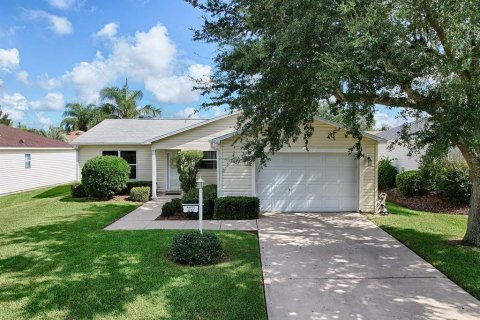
x=78 y=116
x=121 y=103
x=56 y=133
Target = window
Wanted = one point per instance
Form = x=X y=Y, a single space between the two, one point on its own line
x=209 y=160
x=129 y=156
x=28 y=160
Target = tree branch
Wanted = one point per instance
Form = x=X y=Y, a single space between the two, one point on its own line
x=440 y=33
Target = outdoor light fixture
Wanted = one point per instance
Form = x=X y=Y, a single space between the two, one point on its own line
x=369 y=161
x=200 y=183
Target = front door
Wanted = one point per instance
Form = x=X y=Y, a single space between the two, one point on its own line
x=172 y=173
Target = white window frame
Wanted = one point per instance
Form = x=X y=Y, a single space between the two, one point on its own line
x=27 y=163
x=130 y=164
x=215 y=159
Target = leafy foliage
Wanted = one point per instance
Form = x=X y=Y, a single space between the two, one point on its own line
x=56 y=133
x=140 y=194
x=121 y=103
x=4 y=119
x=78 y=116
x=410 y=183
x=105 y=176
x=209 y=196
x=133 y=184
x=454 y=182
x=169 y=209
x=177 y=202
x=386 y=174
x=237 y=208
x=193 y=248
x=78 y=191
x=188 y=163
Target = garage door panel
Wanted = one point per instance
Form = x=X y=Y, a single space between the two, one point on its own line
x=309 y=182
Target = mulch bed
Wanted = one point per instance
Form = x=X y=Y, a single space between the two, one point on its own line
x=429 y=202
x=176 y=216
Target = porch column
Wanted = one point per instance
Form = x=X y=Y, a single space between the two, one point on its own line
x=154 y=174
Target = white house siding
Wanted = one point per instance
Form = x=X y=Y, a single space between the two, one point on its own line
x=399 y=157
x=236 y=179
x=48 y=167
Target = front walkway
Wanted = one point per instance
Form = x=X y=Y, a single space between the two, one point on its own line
x=342 y=266
x=144 y=217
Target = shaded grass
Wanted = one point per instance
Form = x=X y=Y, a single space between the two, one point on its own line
x=56 y=262
x=436 y=238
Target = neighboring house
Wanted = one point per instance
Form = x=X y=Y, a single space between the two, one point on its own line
x=74 y=135
x=398 y=154
x=29 y=161
x=325 y=178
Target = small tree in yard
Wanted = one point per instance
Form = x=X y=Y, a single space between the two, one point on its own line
x=105 y=176
x=278 y=60
x=188 y=163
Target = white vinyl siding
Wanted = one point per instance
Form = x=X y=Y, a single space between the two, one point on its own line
x=47 y=167
x=399 y=157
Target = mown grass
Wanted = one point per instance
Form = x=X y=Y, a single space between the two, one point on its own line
x=436 y=238
x=56 y=262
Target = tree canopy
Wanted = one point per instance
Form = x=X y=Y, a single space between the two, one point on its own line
x=78 y=116
x=277 y=60
x=5 y=119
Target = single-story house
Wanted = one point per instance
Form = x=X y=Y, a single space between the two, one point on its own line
x=325 y=178
x=29 y=161
x=398 y=154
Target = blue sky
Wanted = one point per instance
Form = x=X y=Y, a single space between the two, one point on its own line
x=57 y=51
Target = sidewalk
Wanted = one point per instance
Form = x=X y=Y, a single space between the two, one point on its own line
x=143 y=218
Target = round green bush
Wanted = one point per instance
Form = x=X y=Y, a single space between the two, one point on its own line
x=409 y=183
x=78 y=191
x=386 y=174
x=105 y=176
x=140 y=194
x=169 y=209
x=454 y=182
x=209 y=196
x=193 y=248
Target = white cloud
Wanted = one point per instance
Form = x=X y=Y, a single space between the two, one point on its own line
x=48 y=83
x=65 y=4
x=22 y=76
x=43 y=120
x=1 y=82
x=148 y=57
x=15 y=105
x=59 y=25
x=108 y=31
x=218 y=111
x=382 y=118
x=9 y=59
x=53 y=101
x=188 y=112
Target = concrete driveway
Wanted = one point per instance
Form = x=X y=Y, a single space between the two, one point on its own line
x=342 y=266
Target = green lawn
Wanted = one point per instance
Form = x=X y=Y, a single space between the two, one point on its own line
x=435 y=237
x=56 y=262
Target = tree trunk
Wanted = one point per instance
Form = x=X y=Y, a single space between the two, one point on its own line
x=472 y=236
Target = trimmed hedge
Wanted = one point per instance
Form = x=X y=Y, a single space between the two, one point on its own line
x=140 y=194
x=454 y=182
x=105 y=176
x=177 y=202
x=410 y=184
x=386 y=174
x=193 y=248
x=169 y=209
x=78 y=191
x=209 y=196
x=133 y=184
x=237 y=208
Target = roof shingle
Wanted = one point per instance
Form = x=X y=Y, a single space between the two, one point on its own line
x=17 y=138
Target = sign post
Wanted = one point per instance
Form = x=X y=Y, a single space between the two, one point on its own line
x=200 y=183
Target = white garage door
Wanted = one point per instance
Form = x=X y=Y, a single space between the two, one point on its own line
x=315 y=182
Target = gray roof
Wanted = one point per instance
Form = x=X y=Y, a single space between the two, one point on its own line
x=132 y=131
x=392 y=134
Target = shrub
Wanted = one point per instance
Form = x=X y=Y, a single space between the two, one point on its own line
x=140 y=194
x=78 y=191
x=386 y=174
x=177 y=202
x=236 y=208
x=209 y=196
x=105 y=176
x=133 y=184
x=409 y=183
x=430 y=170
x=188 y=163
x=454 y=182
x=193 y=248
x=169 y=209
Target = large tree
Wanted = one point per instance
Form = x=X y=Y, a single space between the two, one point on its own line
x=276 y=60
x=78 y=116
x=4 y=118
x=121 y=103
